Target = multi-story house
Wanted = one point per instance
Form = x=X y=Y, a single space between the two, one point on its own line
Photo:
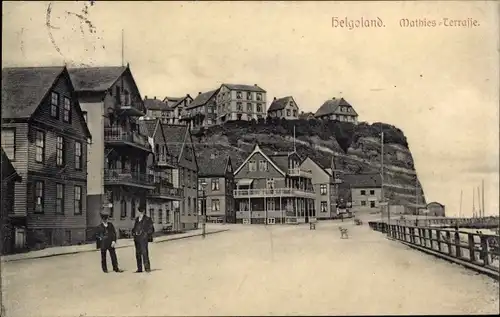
x=118 y=175
x=272 y=188
x=202 y=112
x=160 y=200
x=157 y=109
x=45 y=136
x=337 y=109
x=176 y=106
x=284 y=108
x=184 y=175
x=325 y=184
x=366 y=191
x=215 y=188
x=8 y=231
x=306 y=115
x=240 y=102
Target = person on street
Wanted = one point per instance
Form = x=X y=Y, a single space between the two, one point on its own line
x=143 y=233
x=106 y=241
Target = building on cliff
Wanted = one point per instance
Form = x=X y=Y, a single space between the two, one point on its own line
x=184 y=175
x=202 y=111
x=158 y=109
x=118 y=177
x=45 y=136
x=284 y=108
x=215 y=188
x=240 y=102
x=366 y=191
x=175 y=108
x=166 y=193
x=12 y=234
x=337 y=109
x=273 y=188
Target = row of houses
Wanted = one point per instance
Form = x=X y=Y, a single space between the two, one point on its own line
x=231 y=102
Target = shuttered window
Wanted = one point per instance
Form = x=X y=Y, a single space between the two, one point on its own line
x=60 y=199
x=9 y=142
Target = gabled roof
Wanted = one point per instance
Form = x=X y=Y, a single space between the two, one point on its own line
x=180 y=101
x=363 y=180
x=96 y=79
x=280 y=103
x=8 y=171
x=254 y=88
x=23 y=89
x=150 y=125
x=155 y=104
x=175 y=136
x=330 y=106
x=321 y=167
x=202 y=99
x=209 y=166
x=257 y=149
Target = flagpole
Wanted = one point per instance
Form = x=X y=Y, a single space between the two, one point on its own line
x=482 y=197
x=460 y=210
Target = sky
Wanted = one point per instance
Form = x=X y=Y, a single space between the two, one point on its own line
x=440 y=85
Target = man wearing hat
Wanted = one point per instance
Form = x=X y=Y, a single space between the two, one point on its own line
x=143 y=233
x=106 y=240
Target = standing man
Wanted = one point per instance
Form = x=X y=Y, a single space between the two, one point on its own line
x=143 y=233
x=106 y=241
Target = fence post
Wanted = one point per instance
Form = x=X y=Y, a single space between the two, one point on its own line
x=448 y=241
x=458 y=249
x=472 y=252
x=413 y=234
x=484 y=250
x=438 y=236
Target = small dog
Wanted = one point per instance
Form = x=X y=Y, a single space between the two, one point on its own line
x=344 y=233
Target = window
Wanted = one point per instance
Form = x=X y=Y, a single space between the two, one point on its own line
x=215 y=205
x=215 y=184
x=152 y=214
x=60 y=199
x=279 y=113
x=201 y=181
x=363 y=203
x=288 y=112
x=78 y=155
x=372 y=204
x=324 y=206
x=249 y=107
x=60 y=151
x=110 y=199
x=123 y=208
x=54 y=105
x=263 y=165
x=363 y=192
x=189 y=206
x=259 y=107
x=259 y=96
x=249 y=95
x=271 y=205
x=238 y=95
x=9 y=142
x=67 y=110
x=132 y=209
x=39 y=196
x=78 y=201
x=294 y=113
x=160 y=216
x=252 y=167
x=322 y=189
x=40 y=146
x=372 y=192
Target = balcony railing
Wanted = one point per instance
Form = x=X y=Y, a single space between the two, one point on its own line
x=165 y=161
x=298 y=172
x=130 y=107
x=166 y=190
x=127 y=177
x=274 y=192
x=119 y=135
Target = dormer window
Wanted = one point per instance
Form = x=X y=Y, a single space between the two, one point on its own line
x=238 y=95
x=54 y=105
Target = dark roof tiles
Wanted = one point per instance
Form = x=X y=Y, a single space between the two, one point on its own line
x=212 y=166
x=363 y=180
x=330 y=106
x=280 y=103
x=155 y=104
x=95 y=78
x=202 y=99
x=254 y=88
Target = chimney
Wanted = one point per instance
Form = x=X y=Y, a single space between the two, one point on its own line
x=199 y=92
x=155 y=97
x=212 y=156
x=145 y=97
x=255 y=85
x=274 y=98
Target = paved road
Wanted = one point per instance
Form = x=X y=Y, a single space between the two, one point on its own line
x=253 y=270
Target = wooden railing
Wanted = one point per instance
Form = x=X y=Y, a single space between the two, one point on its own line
x=114 y=134
x=475 y=248
x=238 y=193
x=125 y=176
x=299 y=172
x=166 y=190
x=493 y=221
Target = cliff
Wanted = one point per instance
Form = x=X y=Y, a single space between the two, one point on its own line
x=353 y=148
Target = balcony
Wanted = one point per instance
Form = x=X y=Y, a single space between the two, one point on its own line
x=129 y=107
x=119 y=136
x=275 y=192
x=297 y=172
x=128 y=178
x=166 y=191
x=166 y=161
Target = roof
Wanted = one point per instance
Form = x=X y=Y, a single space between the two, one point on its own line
x=330 y=106
x=155 y=104
x=363 y=180
x=174 y=103
x=202 y=99
x=208 y=166
x=7 y=169
x=435 y=203
x=95 y=78
x=23 y=89
x=279 y=104
x=175 y=136
x=257 y=149
x=150 y=125
x=244 y=87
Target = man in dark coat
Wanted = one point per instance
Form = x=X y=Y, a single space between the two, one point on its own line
x=106 y=240
x=143 y=233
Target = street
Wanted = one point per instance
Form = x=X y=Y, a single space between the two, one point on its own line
x=253 y=270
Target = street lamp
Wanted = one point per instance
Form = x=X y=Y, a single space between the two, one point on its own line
x=203 y=209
